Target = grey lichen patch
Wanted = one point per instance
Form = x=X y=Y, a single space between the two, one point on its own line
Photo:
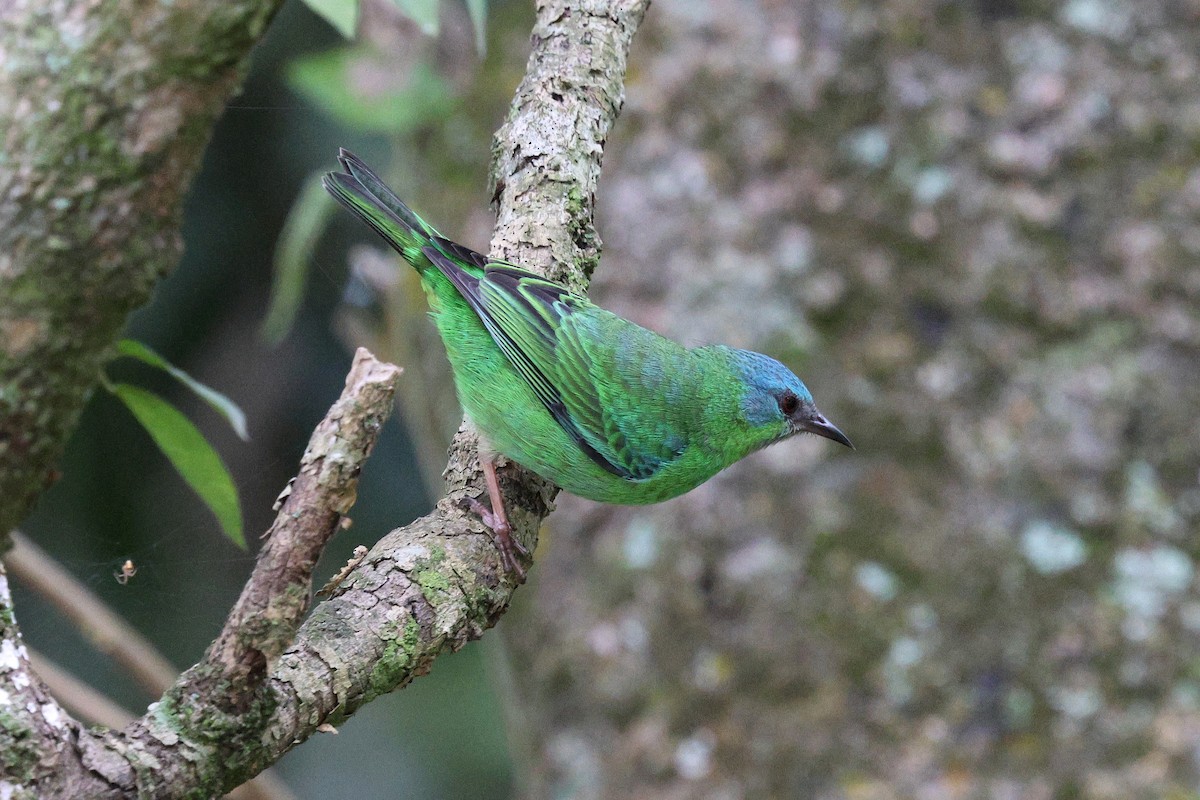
x=156 y=124
x=17 y=791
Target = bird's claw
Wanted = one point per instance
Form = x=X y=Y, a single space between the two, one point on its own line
x=507 y=544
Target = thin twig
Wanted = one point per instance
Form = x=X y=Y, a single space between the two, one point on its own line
x=264 y=620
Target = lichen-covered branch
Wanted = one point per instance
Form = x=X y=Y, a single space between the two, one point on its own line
x=186 y=744
x=545 y=192
x=423 y=589
x=32 y=725
x=51 y=755
x=275 y=599
x=105 y=109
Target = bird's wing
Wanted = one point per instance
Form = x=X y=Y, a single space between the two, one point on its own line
x=543 y=329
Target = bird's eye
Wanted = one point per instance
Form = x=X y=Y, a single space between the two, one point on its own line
x=788 y=403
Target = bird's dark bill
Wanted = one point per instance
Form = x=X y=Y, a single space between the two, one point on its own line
x=816 y=423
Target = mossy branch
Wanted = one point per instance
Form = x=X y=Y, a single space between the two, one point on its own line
x=105 y=110
x=424 y=589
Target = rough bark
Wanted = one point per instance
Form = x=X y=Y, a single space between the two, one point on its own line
x=972 y=228
x=422 y=590
x=105 y=110
x=72 y=761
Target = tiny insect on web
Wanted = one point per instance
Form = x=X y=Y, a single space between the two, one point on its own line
x=127 y=571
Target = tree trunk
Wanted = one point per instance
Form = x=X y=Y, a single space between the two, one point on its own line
x=972 y=229
x=267 y=683
x=105 y=110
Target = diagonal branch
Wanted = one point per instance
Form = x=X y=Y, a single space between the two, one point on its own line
x=260 y=626
x=264 y=620
x=433 y=585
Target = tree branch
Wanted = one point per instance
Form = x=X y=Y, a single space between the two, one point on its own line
x=262 y=623
x=92 y=707
x=105 y=110
x=423 y=589
x=273 y=602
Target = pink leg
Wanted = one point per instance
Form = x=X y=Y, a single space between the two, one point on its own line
x=497 y=520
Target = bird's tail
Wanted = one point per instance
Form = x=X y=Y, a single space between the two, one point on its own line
x=361 y=191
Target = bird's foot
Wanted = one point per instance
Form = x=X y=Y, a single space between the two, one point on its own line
x=502 y=537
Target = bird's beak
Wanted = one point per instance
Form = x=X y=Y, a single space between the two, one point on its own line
x=814 y=422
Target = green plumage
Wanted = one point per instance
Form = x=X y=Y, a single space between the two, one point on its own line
x=604 y=408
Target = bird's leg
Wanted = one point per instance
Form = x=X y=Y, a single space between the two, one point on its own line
x=497 y=520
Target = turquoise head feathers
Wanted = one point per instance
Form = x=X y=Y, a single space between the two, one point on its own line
x=775 y=396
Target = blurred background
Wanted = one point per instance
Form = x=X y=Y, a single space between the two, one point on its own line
x=972 y=227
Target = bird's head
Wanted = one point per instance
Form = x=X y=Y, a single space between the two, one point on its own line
x=776 y=400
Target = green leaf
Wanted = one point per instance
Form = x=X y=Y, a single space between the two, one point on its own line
x=422 y=12
x=477 y=10
x=186 y=448
x=305 y=223
x=341 y=14
x=362 y=89
x=222 y=404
